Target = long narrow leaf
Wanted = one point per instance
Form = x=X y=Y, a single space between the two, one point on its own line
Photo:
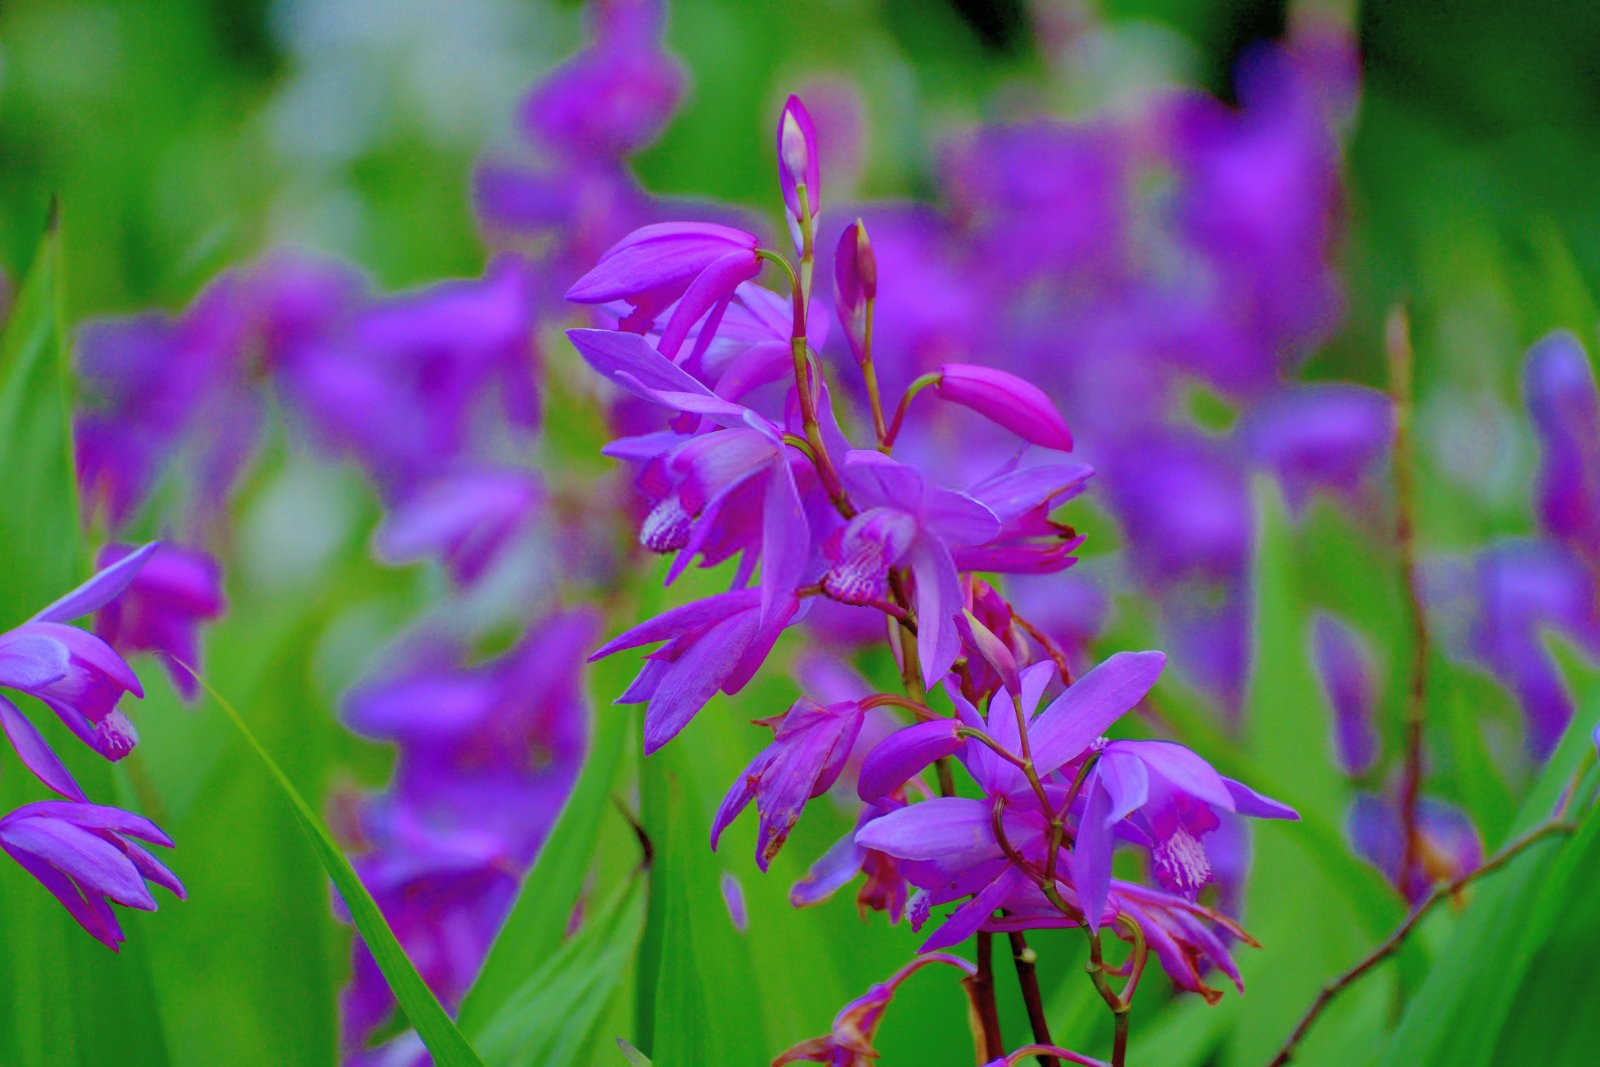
x=427 y=1016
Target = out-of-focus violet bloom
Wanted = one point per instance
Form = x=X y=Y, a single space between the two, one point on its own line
x=1326 y=436
x=711 y=644
x=1562 y=398
x=175 y=591
x=733 y=897
x=849 y=1042
x=1448 y=845
x=465 y=519
x=612 y=98
x=1344 y=665
x=80 y=852
x=809 y=746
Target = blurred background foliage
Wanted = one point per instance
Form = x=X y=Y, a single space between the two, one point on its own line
x=185 y=135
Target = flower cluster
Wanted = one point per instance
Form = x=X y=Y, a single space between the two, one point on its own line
x=749 y=459
x=84 y=853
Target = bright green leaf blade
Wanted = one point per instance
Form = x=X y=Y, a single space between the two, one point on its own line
x=63 y=997
x=432 y=1023
x=551 y=888
x=551 y=1015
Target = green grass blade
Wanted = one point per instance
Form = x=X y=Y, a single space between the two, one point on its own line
x=550 y=891
x=427 y=1016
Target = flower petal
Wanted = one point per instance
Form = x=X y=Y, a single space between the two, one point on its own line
x=1090 y=705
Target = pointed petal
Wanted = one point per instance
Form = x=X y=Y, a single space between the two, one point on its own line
x=905 y=753
x=100 y=590
x=1091 y=855
x=35 y=753
x=955 y=831
x=1090 y=705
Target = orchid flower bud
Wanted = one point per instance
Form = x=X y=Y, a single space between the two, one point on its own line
x=797 y=160
x=1003 y=398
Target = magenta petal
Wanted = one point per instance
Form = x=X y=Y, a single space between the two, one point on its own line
x=31 y=661
x=1181 y=767
x=1002 y=397
x=91 y=912
x=785 y=540
x=832 y=871
x=99 y=590
x=693 y=679
x=1091 y=855
x=713 y=286
x=969 y=918
x=738 y=797
x=691 y=616
x=938 y=601
x=99 y=817
x=955 y=831
x=1247 y=801
x=1090 y=705
x=36 y=754
x=630 y=361
x=1126 y=782
x=82 y=856
x=905 y=753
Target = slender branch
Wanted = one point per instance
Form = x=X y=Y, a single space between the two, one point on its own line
x=1400 y=387
x=1556 y=826
x=1023 y=957
x=983 y=989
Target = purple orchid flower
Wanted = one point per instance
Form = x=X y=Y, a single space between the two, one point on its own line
x=74 y=673
x=711 y=644
x=906 y=522
x=175 y=590
x=809 y=747
x=1344 y=664
x=695 y=265
x=80 y=852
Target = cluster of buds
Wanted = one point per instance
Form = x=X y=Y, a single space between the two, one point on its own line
x=750 y=460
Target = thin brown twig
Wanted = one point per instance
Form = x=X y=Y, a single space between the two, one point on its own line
x=1557 y=825
x=1023 y=957
x=1398 y=342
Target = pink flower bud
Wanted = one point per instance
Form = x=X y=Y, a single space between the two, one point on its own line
x=1018 y=405
x=797 y=157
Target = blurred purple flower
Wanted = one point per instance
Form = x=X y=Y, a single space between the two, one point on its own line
x=1448 y=843
x=1345 y=668
x=1565 y=406
x=175 y=591
x=466 y=519
x=1325 y=436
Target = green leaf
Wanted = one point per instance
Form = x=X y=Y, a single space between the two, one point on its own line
x=433 y=1025
x=63 y=997
x=550 y=891
x=550 y=1016
x=39 y=522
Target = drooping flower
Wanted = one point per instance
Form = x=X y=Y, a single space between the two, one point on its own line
x=849 y=1042
x=711 y=644
x=82 y=854
x=696 y=266
x=74 y=673
x=161 y=610
x=808 y=750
